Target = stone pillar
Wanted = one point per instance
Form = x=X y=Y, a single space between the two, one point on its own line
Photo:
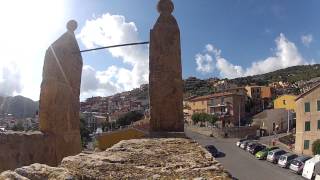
x=60 y=91
x=165 y=78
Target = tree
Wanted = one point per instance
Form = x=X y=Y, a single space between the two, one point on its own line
x=129 y=117
x=84 y=131
x=204 y=117
x=316 y=147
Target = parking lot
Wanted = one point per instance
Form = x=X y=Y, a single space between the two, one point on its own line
x=241 y=164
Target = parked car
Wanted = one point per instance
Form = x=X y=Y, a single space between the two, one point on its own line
x=264 y=153
x=286 y=159
x=298 y=163
x=213 y=150
x=244 y=144
x=308 y=169
x=240 y=141
x=273 y=156
x=257 y=148
x=251 y=145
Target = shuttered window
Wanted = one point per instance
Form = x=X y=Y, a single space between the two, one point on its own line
x=307 y=126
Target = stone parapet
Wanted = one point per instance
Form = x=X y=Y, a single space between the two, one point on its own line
x=172 y=158
x=24 y=148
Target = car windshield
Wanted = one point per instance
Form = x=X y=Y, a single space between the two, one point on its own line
x=283 y=158
x=295 y=162
x=270 y=153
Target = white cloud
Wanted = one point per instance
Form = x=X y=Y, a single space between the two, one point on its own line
x=286 y=55
x=204 y=63
x=98 y=83
x=10 y=79
x=27 y=29
x=111 y=30
x=307 y=39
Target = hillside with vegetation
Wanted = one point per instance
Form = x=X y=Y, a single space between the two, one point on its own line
x=197 y=87
x=292 y=74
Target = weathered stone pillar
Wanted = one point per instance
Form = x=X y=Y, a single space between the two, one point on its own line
x=166 y=85
x=60 y=90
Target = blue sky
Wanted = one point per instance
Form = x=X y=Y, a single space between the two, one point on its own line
x=221 y=38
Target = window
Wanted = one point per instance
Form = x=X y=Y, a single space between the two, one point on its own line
x=284 y=102
x=307 y=107
x=307 y=126
x=318 y=105
x=306 y=144
x=318 y=124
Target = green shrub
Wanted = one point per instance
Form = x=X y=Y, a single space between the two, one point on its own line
x=203 y=117
x=316 y=147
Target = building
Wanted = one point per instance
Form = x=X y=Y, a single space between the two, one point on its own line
x=254 y=93
x=228 y=107
x=286 y=101
x=237 y=90
x=273 y=121
x=308 y=120
x=261 y=97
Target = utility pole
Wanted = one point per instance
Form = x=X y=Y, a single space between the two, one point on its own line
x=240 y=113
x=288 y=121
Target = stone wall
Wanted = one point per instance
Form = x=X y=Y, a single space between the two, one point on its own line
x=19 y=149
x=134 y=159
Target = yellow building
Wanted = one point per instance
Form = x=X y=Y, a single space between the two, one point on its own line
x=308 y=120
x=198 y=104
x=287 y=102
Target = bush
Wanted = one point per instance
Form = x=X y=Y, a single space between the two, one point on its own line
x=316 y=147
x=204 y=117
x=130 y=117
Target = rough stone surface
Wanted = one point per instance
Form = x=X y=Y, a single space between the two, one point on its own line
x=24 y=148
x=133 y=159
x=166 y=85
x=60 y=91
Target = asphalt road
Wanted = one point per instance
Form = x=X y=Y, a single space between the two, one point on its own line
x=241 y=164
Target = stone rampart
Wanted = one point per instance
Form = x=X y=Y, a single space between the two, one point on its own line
x=23 y=148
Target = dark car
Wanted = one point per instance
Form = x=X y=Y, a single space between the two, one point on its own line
x=251 y=145
x=257 y=148
x=213 y=150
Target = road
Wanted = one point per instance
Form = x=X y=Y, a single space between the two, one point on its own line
x=242 y=165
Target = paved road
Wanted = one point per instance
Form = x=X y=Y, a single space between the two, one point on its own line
x=242 y=165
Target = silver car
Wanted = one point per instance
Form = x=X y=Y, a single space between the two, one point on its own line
x=286 y=159
x=298 y=163
x=273 y=156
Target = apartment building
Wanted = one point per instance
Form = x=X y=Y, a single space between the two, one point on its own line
x=228 y=107
x=308 y=120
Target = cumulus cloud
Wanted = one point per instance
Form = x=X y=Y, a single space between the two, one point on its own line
x=286 y=55
x=98 y=83
x=10 y=79
x=204 y=61
x=110 y=30
x=307 y=39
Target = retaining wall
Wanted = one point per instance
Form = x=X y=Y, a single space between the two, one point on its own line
x=24 y=148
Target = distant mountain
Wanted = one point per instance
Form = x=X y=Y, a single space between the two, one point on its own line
x=18 y=106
